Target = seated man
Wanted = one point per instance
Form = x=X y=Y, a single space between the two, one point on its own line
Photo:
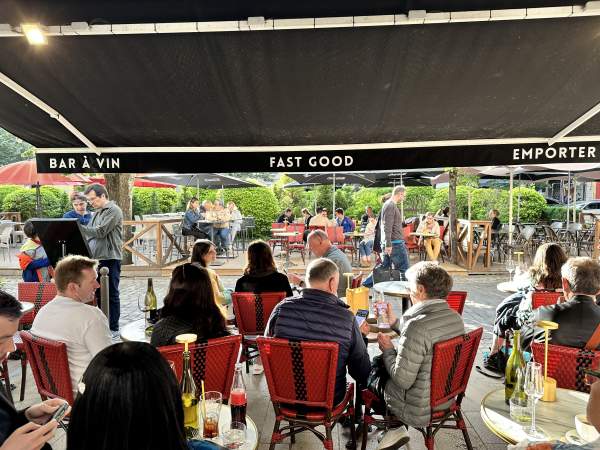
x=22 y=429
x=316 y=314
x=578 y=317
x=430 y=320
x=320 y=219
x=321 y=246
x=286 y=217
x=343 y=221
x=67 y=318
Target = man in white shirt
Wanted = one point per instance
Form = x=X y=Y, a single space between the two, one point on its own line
x=67 y=318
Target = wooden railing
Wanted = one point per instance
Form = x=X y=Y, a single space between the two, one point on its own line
x=159 y=231
x=466 y=234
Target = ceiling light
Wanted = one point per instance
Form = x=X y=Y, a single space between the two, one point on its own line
x=34 y=33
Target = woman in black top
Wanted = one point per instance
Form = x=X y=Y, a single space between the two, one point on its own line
x=260 y=274
x=189 y=308
x=496 y=224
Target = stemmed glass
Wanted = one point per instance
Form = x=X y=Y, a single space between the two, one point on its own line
x=510 y=266
x=534 y=388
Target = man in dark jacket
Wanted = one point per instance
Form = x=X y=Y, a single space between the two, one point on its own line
x=579 y=316
x=317 y=314
x=24 y=429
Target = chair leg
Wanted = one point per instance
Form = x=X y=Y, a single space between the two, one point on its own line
x=275 y=437
x=365 y=431
x=460 y=423
x=23 y=375
x=328 y=442
x=353 y=432
x=429 y=439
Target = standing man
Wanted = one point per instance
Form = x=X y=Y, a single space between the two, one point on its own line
x=392 y=235
x=79 y=211
x=105 y=238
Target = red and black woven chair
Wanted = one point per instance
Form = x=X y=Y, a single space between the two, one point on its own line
x=456 y=300
x=301 y=381
x=273 y=242
x=252 y=312
x=296 y=243
x=344 y=243
x=544 y=298
x=37 y=293
x=566 y=364
x=450 y=371
x=212 y=361
x=50 y=367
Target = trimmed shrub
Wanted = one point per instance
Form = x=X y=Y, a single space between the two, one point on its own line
x=440 y=200
x=7 y=189
x=556 y=213
x=154 y=200
x=366 y=197
x=258 y=202
x=54 y=202
x=417 y=199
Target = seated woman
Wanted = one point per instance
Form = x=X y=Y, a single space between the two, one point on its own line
x=135 y=392
x=494 y=217
x=365 y=247
x=221 y=226
x=204 y=253
x=515 y=310
x=189 y=307
x=236 y=220
x=260 y=274
x=190 y=220
x=432 y=244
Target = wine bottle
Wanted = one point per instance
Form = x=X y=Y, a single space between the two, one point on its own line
x=514 y=363
x=238 y=400
x=189 y=394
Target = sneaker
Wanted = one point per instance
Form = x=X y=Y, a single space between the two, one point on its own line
x=393 y=439
x=495 y=362
x=115 y=335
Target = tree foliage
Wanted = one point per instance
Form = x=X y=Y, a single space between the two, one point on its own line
x=54 y=202
x=12 y=148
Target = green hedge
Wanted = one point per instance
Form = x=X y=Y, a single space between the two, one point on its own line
x=556 y=213
x=54 y=201
x=258 y=202
x=155 y=200
x=7 y=189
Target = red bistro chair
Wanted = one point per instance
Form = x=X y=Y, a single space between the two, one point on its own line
x=50 y=367
x=456 y=300
x=412 y=243
x=212 y=361
x=544 y=298
x=566 y=364
x=37 y=293
x=301 y=380
x=342 y=243
x=273 y=242
x=252 y=312
x=296 y=243
x=450 y=371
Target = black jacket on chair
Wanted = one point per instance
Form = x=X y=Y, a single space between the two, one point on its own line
x=11 y=419
x=577 y=320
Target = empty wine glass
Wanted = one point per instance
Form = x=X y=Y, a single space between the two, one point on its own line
x=534 y=388
x=510 y=266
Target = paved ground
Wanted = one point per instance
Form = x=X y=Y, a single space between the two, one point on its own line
x=479 y=311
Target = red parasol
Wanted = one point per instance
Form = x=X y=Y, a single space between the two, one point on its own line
x=25 y=173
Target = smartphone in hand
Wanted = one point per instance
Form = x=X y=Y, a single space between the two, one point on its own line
x=361 y=316
x=60 y=413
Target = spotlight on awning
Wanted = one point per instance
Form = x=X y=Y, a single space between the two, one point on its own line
x=34 y=33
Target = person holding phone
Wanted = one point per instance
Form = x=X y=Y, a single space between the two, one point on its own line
x=33 y=427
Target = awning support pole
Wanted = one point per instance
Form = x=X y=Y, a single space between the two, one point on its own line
x=576 y=123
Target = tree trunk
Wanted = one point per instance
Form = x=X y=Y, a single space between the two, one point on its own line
x=120 y=188
x=453 y=173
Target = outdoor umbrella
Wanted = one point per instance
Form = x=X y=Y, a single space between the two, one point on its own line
x=25 y=173
x=138 y=182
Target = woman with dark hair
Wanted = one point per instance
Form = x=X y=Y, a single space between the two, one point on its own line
x=515 y=311
x=204 y=253
x=189 y=307
x=193 y=214
x=260 y=274
x=132 y=388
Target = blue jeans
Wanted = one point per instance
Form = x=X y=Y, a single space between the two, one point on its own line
x=114 y=302
x=222 y=237
x=398 y=258
x=365 y=248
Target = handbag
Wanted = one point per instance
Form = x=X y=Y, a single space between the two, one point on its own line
x=378 y=377
x=381 y=273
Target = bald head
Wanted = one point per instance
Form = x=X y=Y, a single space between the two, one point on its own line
x=318 y=242
x=323 y=274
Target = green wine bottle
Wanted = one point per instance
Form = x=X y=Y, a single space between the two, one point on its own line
x=514 y=363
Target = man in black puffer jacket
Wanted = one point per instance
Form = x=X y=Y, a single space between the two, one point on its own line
x=317 y=314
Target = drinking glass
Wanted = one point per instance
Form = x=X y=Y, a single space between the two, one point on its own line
x=211 y=409
x=534 y=388
x=510 y=267
x=234 y=435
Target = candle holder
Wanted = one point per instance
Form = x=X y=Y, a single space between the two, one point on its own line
x=549 y=383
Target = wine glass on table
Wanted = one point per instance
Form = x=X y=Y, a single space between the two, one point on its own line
x=534 y=388
x=510 y=266
x=234 y=435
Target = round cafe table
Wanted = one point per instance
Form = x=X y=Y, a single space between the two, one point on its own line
x=554 y=418
x=393 y=288
x=224 y=421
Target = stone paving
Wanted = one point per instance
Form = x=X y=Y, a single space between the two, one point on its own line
x=479 y=311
